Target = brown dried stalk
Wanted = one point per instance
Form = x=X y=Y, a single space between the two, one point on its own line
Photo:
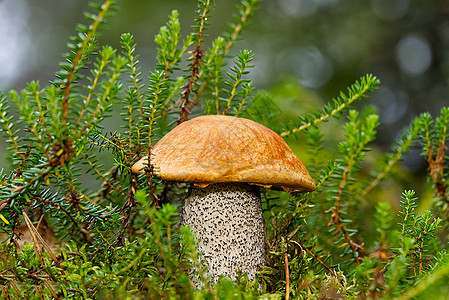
x=287 y=277
x=197 y=56
x=76 y=60
x=336 y=215
x=436 y=170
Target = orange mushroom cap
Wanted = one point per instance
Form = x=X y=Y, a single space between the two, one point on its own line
x=217 y=149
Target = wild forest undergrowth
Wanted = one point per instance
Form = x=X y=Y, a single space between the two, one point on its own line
x=94 y=230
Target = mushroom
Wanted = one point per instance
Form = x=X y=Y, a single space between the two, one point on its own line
x=227 y=159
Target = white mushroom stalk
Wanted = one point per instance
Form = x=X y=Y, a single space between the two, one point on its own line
x=227 y=220
x=227 y=159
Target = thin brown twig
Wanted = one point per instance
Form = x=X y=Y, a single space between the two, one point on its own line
x=38 y=238
x=336 y=215
x=238 y=29
x=198 y=55
x=76 y=60
x=301 y=246
x=287 y=277
x=436 y=170
x=126 y=209
x=279 y=231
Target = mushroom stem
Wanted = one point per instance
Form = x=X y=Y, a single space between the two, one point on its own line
x=228 y=223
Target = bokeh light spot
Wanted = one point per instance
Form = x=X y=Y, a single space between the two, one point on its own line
x=392 y=104
x=413 y=54
x=312 y=68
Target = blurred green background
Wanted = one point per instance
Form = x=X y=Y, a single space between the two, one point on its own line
x=303 y=48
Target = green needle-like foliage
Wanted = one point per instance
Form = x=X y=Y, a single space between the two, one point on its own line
x=356 y=92
x=77 y=223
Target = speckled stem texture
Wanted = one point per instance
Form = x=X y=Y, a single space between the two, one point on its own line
x=228 y=223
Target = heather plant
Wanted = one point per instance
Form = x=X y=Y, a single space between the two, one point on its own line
x=77 y=223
